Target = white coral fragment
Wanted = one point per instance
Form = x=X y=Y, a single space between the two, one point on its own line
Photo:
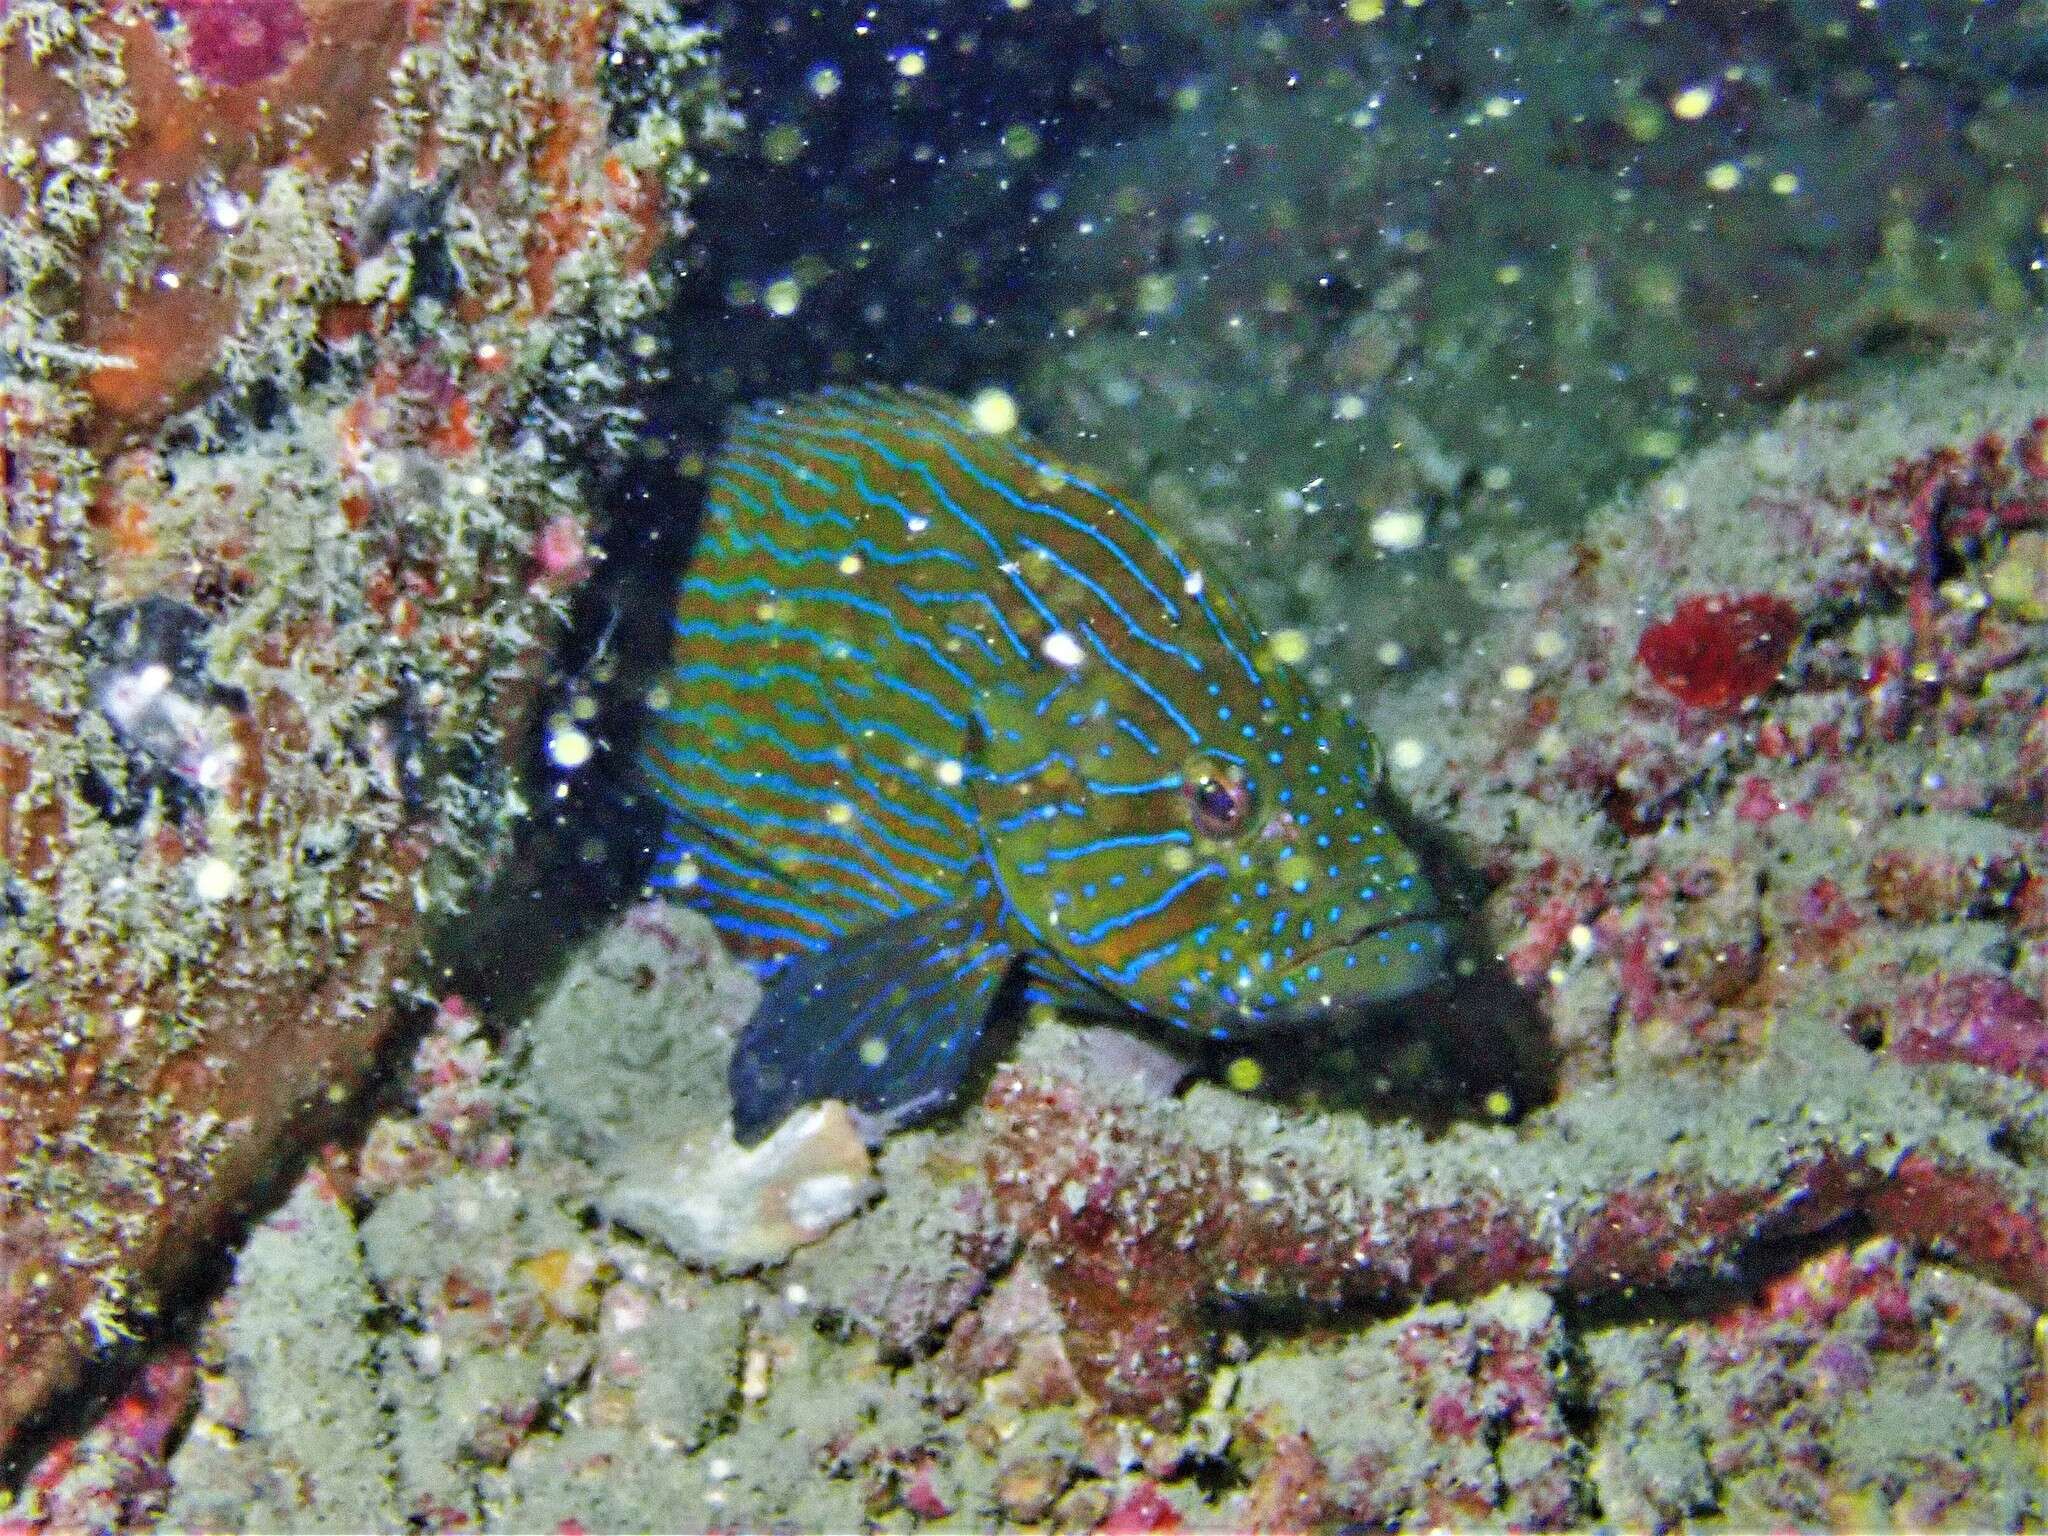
x=713 y=1202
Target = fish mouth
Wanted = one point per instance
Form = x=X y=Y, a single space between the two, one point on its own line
x=1380 y=963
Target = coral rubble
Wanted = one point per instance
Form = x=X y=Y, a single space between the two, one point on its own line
x=303 y=313
x=717 y=1203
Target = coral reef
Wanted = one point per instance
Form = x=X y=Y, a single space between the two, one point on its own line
x=303 y=314
x=939 y=1360
x=1772 y=1253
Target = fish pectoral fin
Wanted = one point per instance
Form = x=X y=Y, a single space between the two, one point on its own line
x=886 y=1020
x=691 y=832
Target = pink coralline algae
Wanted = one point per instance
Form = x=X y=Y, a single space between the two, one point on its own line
x=1141 y=1232
x=1490 y=1389
x=1777 y=1403
x=1980 y=1020
x=1720 y=652
x=239 y=42
x=112 y=1477
x=1143 y=1510
x=561 y=553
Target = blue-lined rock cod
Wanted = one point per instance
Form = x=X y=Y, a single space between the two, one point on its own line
x=951 y=725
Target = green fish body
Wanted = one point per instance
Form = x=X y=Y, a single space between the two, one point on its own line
x=951 y=724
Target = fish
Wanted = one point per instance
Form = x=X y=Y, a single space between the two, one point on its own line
x=953 y=727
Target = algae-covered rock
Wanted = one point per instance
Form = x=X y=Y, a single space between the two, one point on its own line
x=310 y=1448
x=629 y=1048
x=304 y=315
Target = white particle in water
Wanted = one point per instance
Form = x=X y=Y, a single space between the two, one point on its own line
x=994 y=411
x=1398 y=529
x=1062 y=649
x=227 y=209
x=569 y=748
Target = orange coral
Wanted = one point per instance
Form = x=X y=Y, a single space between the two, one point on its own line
x=205 y=152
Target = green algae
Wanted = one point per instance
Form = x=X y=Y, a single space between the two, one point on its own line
x=300 y=1351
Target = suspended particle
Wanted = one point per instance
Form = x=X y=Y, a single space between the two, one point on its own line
x=1693 y=103
x=1398 y=530
x=568 y=746
x=994 y=411
x=227 y=209
x=215 y=880
x=782 y=143
x=1062 y=649
x=1289 y=646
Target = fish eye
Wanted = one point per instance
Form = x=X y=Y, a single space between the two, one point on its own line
x=1218 y=799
